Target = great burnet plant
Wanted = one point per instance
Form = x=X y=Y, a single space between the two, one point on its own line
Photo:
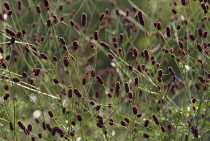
x=86 y=70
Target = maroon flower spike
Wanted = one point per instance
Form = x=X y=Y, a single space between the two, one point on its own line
x=10 y=31
x=7 y=57
x=199 y=47
x=139 y=115
x=205 y=34
x=121 y=37
x=62 y=40
x=29 y=127
x=38 y=9
x=163 y=129
x=146 y=54
x=110 y=56
x=36 y=71
x=208 y=75
x=168 y=31
x=72 y=22
x=123 y=123
x=146 y=135
x=201 y=78
x=19 y=5
x=130 y=95
x=24 y=75
x=98 y=107
x=6 y=96
x=135 y=110
x=99 y=79
x=75 y=45
x=49 y=128
x=20 y=124
x=141 y=18
x=155 y=119
x=160 y=73
x=195 y=132
x=136 y=81
x=40 y=135
x=15 y=79
x=200 y=32
x=158 y=25
x=96 y=35
x=11 y=126
x=127 y=120
x=178 y=27
x=184 y=2
x=127 y=87
x=46 y=4
x=44 y=56
x=92 y=102
x=12 y=40
x=70 y=93
x=102 y=15
x=10 y=12
x=79 y=117
x=169 y=126
x=55 y=58
x=72 y=133
x=77 y=92
x=111 y=121
x=66 y=61
x=105 y=45
x=181 y=45
x=50 y=114
x=49 y=23
x=193 y=100
x=84 y=19
x=73 y=123
x=84 y=80
x=55 y=80
x=109 y=95
x=146 y=123
x=64 y=110
x=192 y=37
x=7 y=5
x=174 y=11
x=93 y=73
x=117 y=87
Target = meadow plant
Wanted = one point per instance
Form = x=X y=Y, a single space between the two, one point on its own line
x=104 y=70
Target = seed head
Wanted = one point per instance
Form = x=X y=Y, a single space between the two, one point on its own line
x=99 y=79
x=102 y=15
x=105 y=45
x=50 y=114
x=141 y=18
x=75 y=45
x=10 y=31
x=168 y=31
x=79 y=117
x=84 y=19
x=127 y=87
x=155 y=119
x=7 y=5
x=77 y=92
x=146 y=123
x=96 y=35
x=110 y=56
x=146 y=135
x=135 y=110
x=20 y=124
x=55 y=80
x=44 y=56
x=15 y=79
x=6 y=96
x=62 y=40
